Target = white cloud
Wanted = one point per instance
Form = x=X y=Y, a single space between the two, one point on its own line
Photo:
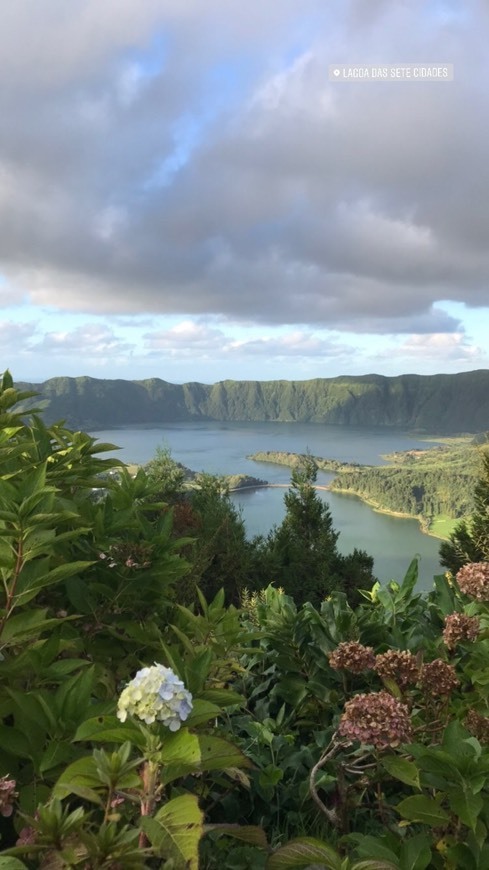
x=441 y=347
x=88 y=341
x=274 y=196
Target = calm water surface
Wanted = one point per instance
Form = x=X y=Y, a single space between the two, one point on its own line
x=222 y=448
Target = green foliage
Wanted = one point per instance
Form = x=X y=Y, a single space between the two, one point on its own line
x=469 y=542
x=301 y=555
x=435 y=403
x=261 y=774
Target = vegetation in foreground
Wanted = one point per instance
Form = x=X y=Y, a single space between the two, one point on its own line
x=145 y=726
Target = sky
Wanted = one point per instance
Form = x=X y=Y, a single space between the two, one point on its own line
x=187 y=192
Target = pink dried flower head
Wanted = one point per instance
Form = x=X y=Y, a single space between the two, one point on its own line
x=477 y=725
x=377 y=719
x=438 y=678
x=7 y=795
x=27 y=836
x=128 y=554
x=473 y=580
x=352 y=656
x=459 y=627
x=398 y=665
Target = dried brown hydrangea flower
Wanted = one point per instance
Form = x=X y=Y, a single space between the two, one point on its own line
x=352 y=656
x=477 y=725
x=7 y=795
x=438 y=678
x=377 y=719
x=459 y=627
x=398 y=665
x=473 y=580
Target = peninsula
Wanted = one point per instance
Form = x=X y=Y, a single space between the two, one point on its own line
x=435 y=485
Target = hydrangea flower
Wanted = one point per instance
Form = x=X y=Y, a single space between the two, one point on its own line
x=156 y=694
x=352 y=656
x=459 y=627
x=377 y=719
x=398 y=665
x=438 y=678
x=7 y=795
x=473 y=580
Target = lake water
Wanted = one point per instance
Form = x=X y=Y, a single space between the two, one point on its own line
x=222 y=448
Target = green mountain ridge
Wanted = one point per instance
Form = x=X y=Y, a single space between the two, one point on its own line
x=431 y=403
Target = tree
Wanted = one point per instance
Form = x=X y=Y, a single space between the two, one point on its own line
x=469 y=542
x=220 y=557
x=301 y=555
x=167 y=473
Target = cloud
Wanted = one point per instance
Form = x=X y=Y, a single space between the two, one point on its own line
x=454 y=348
x=16 y=338
x=185 y=158
x=185 y=339
x=445 y=351
x=88 y=341
x=198 y=340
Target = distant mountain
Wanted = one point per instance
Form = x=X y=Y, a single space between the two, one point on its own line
x=431 y=403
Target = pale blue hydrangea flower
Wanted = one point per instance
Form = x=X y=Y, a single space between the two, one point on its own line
x=156 y=694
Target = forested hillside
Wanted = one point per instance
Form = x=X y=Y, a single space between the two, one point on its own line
x=434 y=403
x=435 y=485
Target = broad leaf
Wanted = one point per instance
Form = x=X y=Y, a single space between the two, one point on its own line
x=176 y=830
x=402 y=769
x=252 y=834
x=302 y=853
x=423 y=809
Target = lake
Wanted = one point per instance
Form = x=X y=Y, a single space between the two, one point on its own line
x=222 y=448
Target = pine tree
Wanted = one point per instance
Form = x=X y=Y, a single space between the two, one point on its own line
x=301 y=555
x=469 y=542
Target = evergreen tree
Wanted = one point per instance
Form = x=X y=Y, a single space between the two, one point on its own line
x=301 y=555
x=469 y=542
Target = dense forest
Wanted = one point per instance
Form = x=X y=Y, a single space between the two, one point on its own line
x=164 y=705
x=432 y=403
x=427 y=484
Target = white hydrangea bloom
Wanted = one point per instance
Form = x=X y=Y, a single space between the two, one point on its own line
x=156 y=694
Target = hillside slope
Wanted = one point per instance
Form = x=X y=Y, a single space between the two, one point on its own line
x=432 y=403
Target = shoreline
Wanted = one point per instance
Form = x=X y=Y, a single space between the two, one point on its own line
x=373 y=505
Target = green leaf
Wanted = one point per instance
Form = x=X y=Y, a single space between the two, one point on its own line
x=82 y=772
x=251 y=834
x=85 y=773
x=111 y=730
x=180 y=755
x=402 y=769
x=184 y=753
x=176 y=830
x=423 y=809
x=13 y=741
x=302 y=853
x=217 y=754
x=466 y=805
x=222 y=697
x=202 y=711
x=410 y=579
x=374 y=865
x=8 y=863
x=55 y=754
x=35 y=577
x=82 y=791
x=416 y=853
x=373 y=848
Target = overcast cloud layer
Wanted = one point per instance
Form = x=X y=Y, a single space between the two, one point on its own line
x=186 y=158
